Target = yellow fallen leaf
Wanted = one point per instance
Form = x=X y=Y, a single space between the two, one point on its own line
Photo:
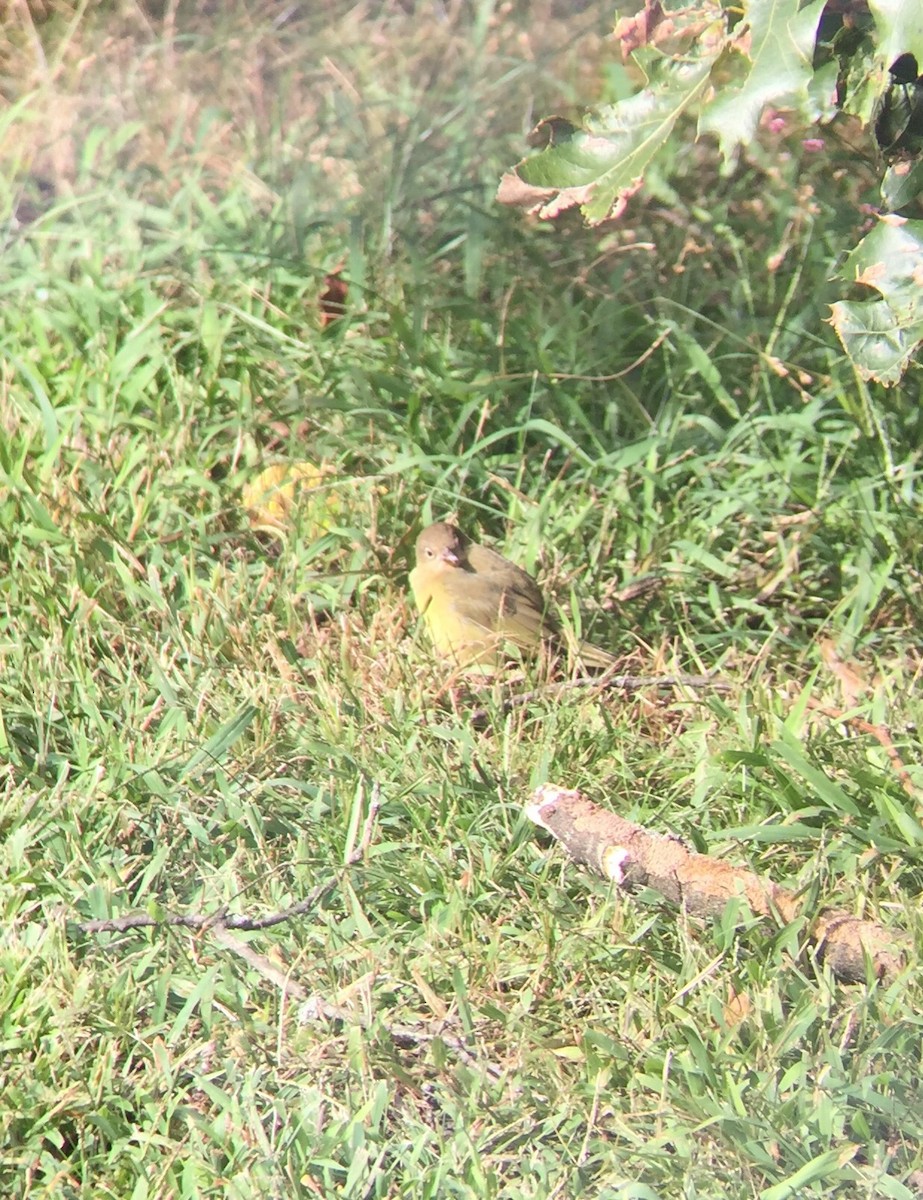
x=271 y=497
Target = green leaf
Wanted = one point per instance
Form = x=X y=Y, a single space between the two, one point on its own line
x=900 y=29
x=221 y=741
x=821 y=1167
x=602 y=164
x=901 y=185
x=890 y=259
x=700 y=359
x=776 y=69
x=881 y=336
x=789 y=749
x=878 y=348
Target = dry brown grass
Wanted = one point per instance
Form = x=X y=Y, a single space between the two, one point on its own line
x=218 y=88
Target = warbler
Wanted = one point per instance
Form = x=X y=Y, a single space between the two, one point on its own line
x=474 y=602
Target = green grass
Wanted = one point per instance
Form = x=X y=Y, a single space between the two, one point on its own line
x=194 y=715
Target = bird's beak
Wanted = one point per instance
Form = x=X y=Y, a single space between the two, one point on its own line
x=450 y=557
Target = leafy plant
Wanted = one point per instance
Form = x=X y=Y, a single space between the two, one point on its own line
x=727 y=67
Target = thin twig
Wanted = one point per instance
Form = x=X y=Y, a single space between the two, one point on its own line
x=405 y=1036
x=605 y=683
x=221 y=919
x=289 y=987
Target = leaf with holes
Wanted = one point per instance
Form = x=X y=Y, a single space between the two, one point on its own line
x=599 y=165
x=772 y=59
x=881 y=336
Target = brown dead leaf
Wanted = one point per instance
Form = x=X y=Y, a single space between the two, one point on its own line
x=737 y=1007
x=548 y=203
x=271 y=497
x=634 y=32
x=852 y=684
x=672 y=32
x=872 y=275
x=516 y=191
x=332 y=302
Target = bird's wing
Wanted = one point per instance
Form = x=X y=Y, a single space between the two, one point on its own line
x=474 y=599
x=496 y=606
x=506 y=605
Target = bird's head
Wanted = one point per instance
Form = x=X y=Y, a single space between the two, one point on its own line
x=441 y=547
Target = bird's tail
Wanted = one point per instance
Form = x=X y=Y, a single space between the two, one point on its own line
x=594 y=657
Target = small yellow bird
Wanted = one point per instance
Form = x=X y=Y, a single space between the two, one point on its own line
x=474 y=600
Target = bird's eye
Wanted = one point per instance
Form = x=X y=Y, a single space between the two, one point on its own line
x=429 y=552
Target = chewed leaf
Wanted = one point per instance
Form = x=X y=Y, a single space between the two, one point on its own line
x=878 y=348
x=881 y=336
x=774 y=66
x=902 y=183
x=600 y=164
x=890 y=259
